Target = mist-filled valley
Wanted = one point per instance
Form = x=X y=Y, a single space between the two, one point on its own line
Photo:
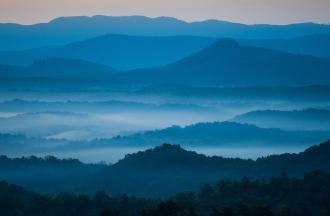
x=86 y=124
x=207 y=115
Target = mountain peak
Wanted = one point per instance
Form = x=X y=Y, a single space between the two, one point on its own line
x=226 y=42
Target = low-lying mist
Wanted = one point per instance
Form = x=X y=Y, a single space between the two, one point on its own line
x=86 y=124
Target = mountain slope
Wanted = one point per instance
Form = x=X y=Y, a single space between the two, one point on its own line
x=228 y=63
x=69 y=29
x=316 y=44
x=119 y=51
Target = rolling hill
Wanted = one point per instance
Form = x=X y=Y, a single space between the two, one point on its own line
x=158 y=172
x=69 y=29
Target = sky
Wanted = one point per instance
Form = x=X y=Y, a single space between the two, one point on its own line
x=243 y=11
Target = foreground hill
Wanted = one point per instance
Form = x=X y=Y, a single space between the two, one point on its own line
x=316 y=44
x=177 y=169
x=156 y=172
x=119 y=51
x=68 y=29
x=309 y=119
x=228 y=63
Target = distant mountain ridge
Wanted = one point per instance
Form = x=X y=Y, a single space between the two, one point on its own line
x=223 y=63
x=68 y=29
x=122 y=52
x=60 y=68
x=227 y=63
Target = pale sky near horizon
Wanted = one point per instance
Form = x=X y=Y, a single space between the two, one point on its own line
x=243 y=11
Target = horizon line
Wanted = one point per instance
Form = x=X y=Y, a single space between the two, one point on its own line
x=161 y=16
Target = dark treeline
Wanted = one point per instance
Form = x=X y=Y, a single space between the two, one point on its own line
x=278 y=196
